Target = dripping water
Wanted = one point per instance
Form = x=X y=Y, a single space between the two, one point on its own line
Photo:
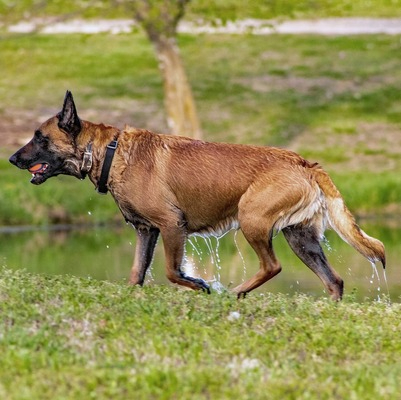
x=200 y=260
x=241 y=256
x=375 y=272
x=327 y=244
x=214 y=254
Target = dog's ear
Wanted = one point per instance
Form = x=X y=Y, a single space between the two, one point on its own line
x=68 y=116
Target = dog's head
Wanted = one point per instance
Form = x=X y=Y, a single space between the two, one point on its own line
x=52 y=150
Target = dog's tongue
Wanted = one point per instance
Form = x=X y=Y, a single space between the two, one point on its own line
x=37 y=168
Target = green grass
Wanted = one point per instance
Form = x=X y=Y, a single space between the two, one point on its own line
x=94 y=63
x=248 y=88
x=378 y=191
x=219 y=9
x=65 y=337
x=237 y=9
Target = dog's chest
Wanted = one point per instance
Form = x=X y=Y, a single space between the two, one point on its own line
x=133 y=217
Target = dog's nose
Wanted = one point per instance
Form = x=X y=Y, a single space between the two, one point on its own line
x=13 y=159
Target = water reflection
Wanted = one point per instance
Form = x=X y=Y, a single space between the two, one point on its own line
x=107 y=253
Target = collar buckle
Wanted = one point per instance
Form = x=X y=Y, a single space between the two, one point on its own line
x=112 y=145
x=87 y=159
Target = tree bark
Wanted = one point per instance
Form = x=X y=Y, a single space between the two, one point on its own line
x=182 y=118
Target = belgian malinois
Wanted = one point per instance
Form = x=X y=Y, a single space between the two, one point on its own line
x=176 y=186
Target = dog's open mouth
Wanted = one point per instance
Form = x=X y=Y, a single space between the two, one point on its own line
x=37 y=172
x=38 y=168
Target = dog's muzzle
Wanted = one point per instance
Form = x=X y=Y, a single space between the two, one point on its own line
x=14 y=159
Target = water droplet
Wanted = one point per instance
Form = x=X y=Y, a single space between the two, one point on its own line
x=234 y=315
x=195 y=248
x=241 y=256
x=149 y=275
x=189 y=267
x=218 y=287
x=327 y=244
x=385 y=280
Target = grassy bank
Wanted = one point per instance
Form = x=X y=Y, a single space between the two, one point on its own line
x=234 y=9
x=78 y=338
x=258 y=89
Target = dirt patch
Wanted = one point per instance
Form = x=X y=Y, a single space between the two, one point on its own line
x=16 y=126
x=331 y=86
x=372 y=147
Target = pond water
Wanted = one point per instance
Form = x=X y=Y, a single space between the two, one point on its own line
x=106 y=253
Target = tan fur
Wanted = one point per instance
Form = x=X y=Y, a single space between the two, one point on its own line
x=212 y=187
x=178 y=186
x=343 y=222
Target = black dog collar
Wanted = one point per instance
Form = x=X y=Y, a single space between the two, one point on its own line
x=104 y=176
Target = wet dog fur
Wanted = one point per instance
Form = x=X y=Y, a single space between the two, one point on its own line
x=175 y=187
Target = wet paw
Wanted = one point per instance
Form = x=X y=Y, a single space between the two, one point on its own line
x=203 y=285
x=199 y=283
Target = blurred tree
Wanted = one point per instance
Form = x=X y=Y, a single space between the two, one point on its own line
x=159 y=19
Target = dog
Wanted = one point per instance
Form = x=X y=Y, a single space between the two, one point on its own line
x=175 y=186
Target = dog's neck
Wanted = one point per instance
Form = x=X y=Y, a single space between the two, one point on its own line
x=94 y=147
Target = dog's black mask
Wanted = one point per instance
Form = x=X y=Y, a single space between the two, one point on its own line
x=41 y=156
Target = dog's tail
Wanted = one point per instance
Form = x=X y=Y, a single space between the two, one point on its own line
x=343 y=222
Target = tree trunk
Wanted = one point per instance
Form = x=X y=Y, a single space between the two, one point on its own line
x=182 y=118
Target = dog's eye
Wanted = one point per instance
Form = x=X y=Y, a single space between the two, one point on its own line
x=39 y=137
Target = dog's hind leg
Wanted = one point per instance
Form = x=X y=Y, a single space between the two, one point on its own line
x=257 y=218
x=174 y=242
x=272 y=202
x=305 y=243
x=145 y=246
x=269 y=265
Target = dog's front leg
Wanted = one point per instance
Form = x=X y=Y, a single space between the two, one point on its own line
x=145 y=246
x=174 y=242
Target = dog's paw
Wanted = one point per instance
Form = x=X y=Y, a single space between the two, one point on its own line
x=193 y=283
x=203 y=285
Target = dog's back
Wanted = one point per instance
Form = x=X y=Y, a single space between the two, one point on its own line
x=207 y=180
